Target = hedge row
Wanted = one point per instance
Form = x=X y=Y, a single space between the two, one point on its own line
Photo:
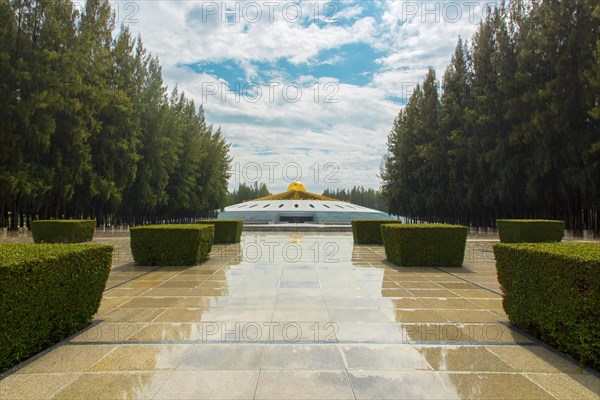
x=47 y=293
x=530 y=230
x=435 y=245
x=226 y=230
x=63 y=231
x=171 y=244
x=552 y=291
x=369 y=231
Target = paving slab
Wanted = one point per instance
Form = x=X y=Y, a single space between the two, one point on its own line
x=255 y=323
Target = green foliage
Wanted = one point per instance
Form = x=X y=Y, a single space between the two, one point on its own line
x=369 y=231
x=514 y=132
x=171 y=244
x=226 y=230
x=88 y=130
x=246 y=192
x=47 y=293
x=435 y=245
x=63 y=231
x=552 y=291
x=530 y=230
x=358 y=195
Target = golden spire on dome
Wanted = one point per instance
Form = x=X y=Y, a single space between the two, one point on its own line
x=299 y=186
x=296 y=191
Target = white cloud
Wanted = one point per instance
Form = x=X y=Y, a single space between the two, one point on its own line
x=189 y=31
x=351 y=133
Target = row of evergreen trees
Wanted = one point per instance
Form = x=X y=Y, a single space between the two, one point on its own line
x=88 y=128
x=515 y=129
x=358 y=195
x=247 y=192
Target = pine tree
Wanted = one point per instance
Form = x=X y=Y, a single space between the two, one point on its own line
x=87 y=129
x=517 y=132
x=456 y=98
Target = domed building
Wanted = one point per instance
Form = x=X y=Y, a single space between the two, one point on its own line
x=298 y=206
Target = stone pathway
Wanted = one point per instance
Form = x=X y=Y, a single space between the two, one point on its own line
x=284 y=316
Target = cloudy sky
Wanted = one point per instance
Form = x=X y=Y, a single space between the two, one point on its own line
x=304 y=90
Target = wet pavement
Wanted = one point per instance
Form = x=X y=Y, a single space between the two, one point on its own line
x=301 y=316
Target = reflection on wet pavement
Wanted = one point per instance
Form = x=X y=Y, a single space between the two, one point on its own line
x=301 y=316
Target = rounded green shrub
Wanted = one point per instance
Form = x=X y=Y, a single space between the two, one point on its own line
x=63 y=231
x=431 y=245
x=47 y=293
x=369 y=231
x=187 y=244
x=552 y=291
x=530 y=230
x=226 y=230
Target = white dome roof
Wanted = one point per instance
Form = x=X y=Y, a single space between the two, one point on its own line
x=306 y=211
x=298 y=205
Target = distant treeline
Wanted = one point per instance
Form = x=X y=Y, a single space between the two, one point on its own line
x=88 y=129
x=370 y=198
x=515 y=129
x=247 y=192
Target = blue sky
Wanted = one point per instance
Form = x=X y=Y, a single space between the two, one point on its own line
x=352 y=64
x=302 y=90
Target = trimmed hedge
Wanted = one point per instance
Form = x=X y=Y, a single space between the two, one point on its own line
x=47 y=293
x=226 y=230
x=369 y=231
x=63 y=231
x=530 y=230
x=171 y=244
x=431 y=245
x=552 y=291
